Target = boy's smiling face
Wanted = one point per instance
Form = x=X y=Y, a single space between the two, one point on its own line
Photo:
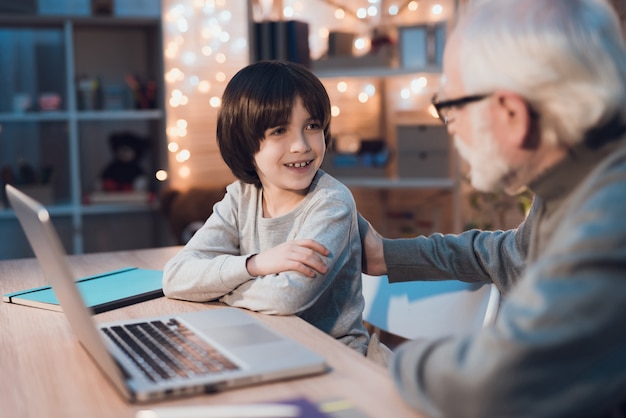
x=290 y=155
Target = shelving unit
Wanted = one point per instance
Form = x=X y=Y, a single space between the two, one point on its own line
x=398 y=200
x=47 y=54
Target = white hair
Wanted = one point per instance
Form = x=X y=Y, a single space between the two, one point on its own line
x=565 y=57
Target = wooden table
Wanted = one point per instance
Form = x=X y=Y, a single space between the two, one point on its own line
x=46 y=373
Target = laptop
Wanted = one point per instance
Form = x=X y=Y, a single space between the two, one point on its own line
x=162 y=357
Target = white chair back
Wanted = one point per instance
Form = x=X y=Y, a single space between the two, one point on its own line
x=420 y=309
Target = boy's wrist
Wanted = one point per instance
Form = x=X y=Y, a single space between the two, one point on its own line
x=251 y=265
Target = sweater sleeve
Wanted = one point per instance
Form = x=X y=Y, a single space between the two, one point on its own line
x=330 y=220
x=210 y=265
x=558 y=346
x=472 y=256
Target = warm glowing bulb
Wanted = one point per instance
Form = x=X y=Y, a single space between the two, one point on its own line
x=405 y=93
x=413 y=6
x=171 y=49
x=360 y=43
x=174 y=75
x=215 y=102
x=161 y=175
x=183 y=156
x=225 y=16
x=363 y=97
x=361 y=13
x=342 y=87
x=178 y=98
x=184 y=171
x=224 y=37
x=220 y=76
x=182 y=25
x=340 y=14
x=204 y=86
x=181 y=124
x=335 y=111
x=172 y=146
x=189 y=58
x=418 y=84
x=220 y=58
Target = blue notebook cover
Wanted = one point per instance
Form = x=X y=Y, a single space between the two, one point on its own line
x=101 y=293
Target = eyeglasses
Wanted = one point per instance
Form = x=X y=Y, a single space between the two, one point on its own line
x=443 y=107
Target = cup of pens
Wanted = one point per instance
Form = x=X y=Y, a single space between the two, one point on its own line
x=143 y=91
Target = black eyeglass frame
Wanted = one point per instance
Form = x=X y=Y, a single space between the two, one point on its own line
x=458 y=102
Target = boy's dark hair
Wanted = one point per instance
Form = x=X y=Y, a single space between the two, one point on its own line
x=261 y=96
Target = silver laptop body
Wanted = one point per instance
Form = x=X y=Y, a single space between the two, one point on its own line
x=250 y=352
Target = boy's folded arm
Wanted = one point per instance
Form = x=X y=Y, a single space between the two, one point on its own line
x=202 y=279
x=286 y=293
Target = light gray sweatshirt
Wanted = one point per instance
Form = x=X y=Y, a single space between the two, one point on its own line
x=212 y=266
x=558 y=347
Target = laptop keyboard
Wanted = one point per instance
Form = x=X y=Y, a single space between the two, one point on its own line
x=168 y=350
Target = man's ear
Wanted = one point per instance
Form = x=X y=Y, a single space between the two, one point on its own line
x=512 y=119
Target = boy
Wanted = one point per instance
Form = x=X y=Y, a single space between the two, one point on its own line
x=284 y=240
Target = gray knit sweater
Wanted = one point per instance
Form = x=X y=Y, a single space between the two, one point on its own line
x=212 y=266
x=558 y=348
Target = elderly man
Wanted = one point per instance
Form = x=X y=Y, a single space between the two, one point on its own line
x=535 y=97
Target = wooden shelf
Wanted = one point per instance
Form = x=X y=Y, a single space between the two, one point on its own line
x=74 y=143
x=373 y=72
x=405 y=183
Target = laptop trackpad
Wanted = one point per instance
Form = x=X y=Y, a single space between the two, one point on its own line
x=242 y=335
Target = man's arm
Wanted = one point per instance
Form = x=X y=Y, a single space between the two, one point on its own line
x=473 y=256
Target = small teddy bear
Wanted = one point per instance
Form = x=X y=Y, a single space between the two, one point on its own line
x=124 y=173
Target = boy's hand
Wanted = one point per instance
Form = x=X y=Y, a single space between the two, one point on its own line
x=303 y=256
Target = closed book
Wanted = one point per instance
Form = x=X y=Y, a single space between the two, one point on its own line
x=103 y=292
x=298 y=42
x=263 y=41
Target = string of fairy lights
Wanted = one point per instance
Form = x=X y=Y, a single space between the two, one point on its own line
x=206 y=41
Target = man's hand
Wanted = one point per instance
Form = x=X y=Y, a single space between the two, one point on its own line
x=303 y=256
x=373 y=257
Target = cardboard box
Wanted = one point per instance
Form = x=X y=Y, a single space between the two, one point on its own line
x=421 y=46
x=423 y=151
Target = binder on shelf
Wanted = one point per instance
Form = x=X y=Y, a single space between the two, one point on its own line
x=263 y=40
x=286 y=40
x=101 y=293
x=298 y=42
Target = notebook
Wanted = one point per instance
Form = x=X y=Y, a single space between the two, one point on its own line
x=166 y=356
x=101 y=293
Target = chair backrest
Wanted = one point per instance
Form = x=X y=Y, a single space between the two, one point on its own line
x=428 y=309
